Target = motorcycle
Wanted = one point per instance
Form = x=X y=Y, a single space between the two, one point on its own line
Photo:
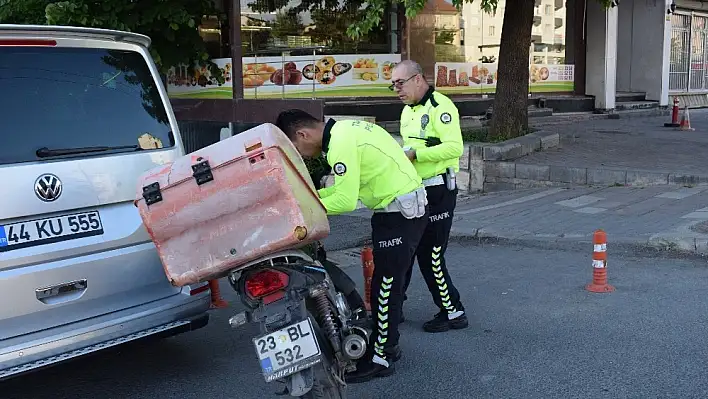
x=313 y=323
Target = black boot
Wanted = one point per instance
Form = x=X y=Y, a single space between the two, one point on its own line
x=367 y=370
x=442 y=323
x=394 y=354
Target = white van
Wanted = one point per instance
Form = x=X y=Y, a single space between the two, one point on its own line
x=83 y=113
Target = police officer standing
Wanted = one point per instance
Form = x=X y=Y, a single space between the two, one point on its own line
x=430 y=127
x=369 y=165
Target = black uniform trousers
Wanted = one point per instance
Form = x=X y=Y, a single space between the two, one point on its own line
x=395 y=240
x=431 y=251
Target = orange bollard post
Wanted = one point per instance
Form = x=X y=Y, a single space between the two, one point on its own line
x=674 y=115
x=367 y=264
x=217 y=302
x=599 y=264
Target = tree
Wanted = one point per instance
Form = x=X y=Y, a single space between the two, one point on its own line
x=172 y=25
x=287 y=24
x=510 y=116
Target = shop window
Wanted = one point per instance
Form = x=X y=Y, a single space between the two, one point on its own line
x=471 y=68
x=270 y=27
x=291 y=49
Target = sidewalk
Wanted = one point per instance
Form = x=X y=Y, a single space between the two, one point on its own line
x=641 y=144
x=666 y=218
x=660 y=217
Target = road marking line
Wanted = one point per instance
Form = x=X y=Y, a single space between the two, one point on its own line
x=696 y=215
x=682 y=193
x=590 y=210
x=512 y=202
x=583 y=200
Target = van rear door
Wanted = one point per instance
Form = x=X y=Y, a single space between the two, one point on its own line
x=80 y=119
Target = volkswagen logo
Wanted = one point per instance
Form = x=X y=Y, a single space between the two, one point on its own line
x=48 y=187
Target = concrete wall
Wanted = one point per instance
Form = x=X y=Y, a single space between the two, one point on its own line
x=692 y=5
x=643 y=48
x=601 y=54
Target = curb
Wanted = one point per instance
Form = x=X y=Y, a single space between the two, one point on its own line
x=509 y=175
x=657 y=244
x=682 y=240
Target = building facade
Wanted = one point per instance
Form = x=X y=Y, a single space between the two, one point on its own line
x=657 y=47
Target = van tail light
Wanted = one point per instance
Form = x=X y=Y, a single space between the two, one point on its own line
x=267 y=283
x=28 y=42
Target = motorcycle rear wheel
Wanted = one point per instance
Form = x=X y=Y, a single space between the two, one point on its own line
x=325 y=385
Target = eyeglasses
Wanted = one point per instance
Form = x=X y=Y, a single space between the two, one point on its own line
x=400 y=82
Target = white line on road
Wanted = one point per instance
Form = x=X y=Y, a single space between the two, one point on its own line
x=590 y=210
x=583 y=200
x=512 y=202
x=681 y=193
x=696 y=215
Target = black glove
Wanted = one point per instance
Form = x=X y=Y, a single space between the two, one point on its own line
x=429 y=141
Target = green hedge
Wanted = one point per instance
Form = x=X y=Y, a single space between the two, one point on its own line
x=318 y=168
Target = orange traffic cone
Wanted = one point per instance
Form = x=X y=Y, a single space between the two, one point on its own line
x=686 y=121
x=367 y=264
x=599 y=264
x=217 y=302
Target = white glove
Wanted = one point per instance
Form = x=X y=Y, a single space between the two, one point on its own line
x=327 y=181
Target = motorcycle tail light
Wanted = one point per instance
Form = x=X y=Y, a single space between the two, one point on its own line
x=265 y=283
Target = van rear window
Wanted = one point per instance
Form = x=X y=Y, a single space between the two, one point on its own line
x=59 y=98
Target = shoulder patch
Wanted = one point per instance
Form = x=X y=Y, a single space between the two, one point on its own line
x=446 y=117
x=339 y=169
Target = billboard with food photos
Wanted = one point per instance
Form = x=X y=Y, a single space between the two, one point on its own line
x=358 y=75
x=479 y=78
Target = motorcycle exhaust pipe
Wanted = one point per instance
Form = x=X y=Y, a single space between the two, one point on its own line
x=354 y=346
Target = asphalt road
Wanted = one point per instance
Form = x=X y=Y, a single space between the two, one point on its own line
x=347 y=232
x=537 y=334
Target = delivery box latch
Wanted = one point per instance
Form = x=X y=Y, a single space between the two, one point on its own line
x=202 y=171
x=152 y=193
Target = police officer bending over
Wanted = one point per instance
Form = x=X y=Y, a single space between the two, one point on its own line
x=430 y=127
x=369 y=165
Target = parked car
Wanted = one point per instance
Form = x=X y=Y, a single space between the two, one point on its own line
x=82 y=113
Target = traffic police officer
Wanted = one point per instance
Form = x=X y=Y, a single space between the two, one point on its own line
x=370 y=166
x=430 y=127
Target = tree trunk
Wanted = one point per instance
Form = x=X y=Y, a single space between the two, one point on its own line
x=510 y=112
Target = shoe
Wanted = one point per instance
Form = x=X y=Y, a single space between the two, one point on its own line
x=394 y=353
x=441 y=323
x=367 y=371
